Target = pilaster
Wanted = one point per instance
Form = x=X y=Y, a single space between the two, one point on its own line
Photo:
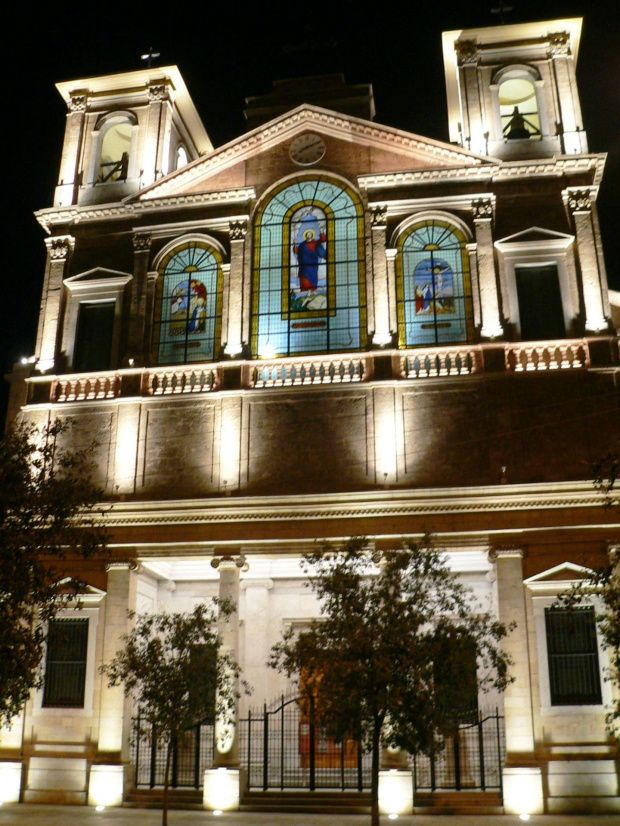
x=523 y=791
x=579 y=202
x=137 y=318
x=572 y=135
x=69 y=175
x=234 y=344
x=257 y=620
x=59 y=251
x=382 y=335
x=489 y=304
x=115 y=712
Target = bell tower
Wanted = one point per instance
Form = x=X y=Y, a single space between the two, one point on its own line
x=512 y=91
x=124 y=132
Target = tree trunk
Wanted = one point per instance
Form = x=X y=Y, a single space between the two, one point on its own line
x=164 y=814
x=374 y=782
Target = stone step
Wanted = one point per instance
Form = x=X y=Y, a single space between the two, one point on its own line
x=306 y=802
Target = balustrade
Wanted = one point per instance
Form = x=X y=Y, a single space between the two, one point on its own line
x=315 y=371
x=437 y=362
x=546 y=355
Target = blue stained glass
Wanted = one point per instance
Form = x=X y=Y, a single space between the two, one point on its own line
x=308 y=271
x=433 y=291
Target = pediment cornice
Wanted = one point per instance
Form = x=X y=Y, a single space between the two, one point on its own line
x=328 y=123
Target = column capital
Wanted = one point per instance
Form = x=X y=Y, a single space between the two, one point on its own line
x=505 y=552
x=60 y=247
x=467 y=52
x=228 y=561
x=237 y=230
x=391 y=253
x=482 y=208
x=267 y=584
x=141 y=241
x=559 y=45
x=579 y=199
x=157 y=92
x=122 y=565
x=77 y=103
x=378 y=216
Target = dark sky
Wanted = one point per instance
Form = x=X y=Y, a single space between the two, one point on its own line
x=231 y=50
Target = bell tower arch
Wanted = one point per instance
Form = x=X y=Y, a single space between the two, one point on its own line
x=512 y=90
x=124 y=132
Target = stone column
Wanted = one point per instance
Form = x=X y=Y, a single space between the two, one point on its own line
x=489 y=303
x=579 y=203
x=226 y=753
x=59 y=251
x=116 y=710
x=69 y=178
x=382 y=335
x=234 y=345
x=522 y=776
x=257 y=642
x=137 y=317
x=149 y=308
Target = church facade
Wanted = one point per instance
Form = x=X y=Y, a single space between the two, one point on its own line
x=330 y=328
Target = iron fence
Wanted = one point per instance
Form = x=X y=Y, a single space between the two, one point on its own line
x=283 y=746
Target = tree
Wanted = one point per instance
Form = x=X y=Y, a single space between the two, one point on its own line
x=604 y=583
x=175 y=672
x=374 y=664
x=48 y=515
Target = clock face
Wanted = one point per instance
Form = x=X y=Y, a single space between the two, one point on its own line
x=307 y=149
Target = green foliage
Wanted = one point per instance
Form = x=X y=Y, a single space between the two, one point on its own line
x=602 y=588
x=371 y=660
x=607 y=476
x=48 y=515
x=175 y=672
x=172 y=667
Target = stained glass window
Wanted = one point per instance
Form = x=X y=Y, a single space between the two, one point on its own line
x=188 y=305
x=308 y=281
x=433 y=288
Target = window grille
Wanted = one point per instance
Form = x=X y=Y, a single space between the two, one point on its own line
x=65 y=665
x=572 y=651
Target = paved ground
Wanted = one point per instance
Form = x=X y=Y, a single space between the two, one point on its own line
x=25 y=815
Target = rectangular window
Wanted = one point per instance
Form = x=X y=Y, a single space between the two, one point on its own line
x=65 y=664
x=93 y=344
x=572 y=652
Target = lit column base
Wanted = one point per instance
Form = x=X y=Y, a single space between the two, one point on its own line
x=222 y=789
x=10 y=782
x=106 y=785
x=523 y=791
x=395 y=792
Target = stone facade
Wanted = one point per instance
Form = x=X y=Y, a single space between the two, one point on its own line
x=484 y=438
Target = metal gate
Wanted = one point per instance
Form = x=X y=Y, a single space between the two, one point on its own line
x=472 y=759
x=283 y=746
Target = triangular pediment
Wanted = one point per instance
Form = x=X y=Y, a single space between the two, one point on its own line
x=383 y=149
x=88 y=594
x=559 y=577
x=97 y=275
x=535 y=235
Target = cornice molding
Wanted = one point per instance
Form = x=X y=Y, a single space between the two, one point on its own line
x=331 y=123
x=499 y=171
x=128 y=209
x=349 y=506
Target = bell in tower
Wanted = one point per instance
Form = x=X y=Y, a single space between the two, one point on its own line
x=512 y=90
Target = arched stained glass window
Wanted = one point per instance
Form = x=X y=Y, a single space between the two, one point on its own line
x=188 y=305
x=433 y=286
x=308 y=280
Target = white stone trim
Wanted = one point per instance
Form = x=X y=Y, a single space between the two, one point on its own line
x=91 y=613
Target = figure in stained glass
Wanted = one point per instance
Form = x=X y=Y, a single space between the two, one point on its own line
x=188 y=308
x=434 y=287
x=308 y=261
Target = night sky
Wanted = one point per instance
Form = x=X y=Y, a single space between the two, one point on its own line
x=230 y=51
